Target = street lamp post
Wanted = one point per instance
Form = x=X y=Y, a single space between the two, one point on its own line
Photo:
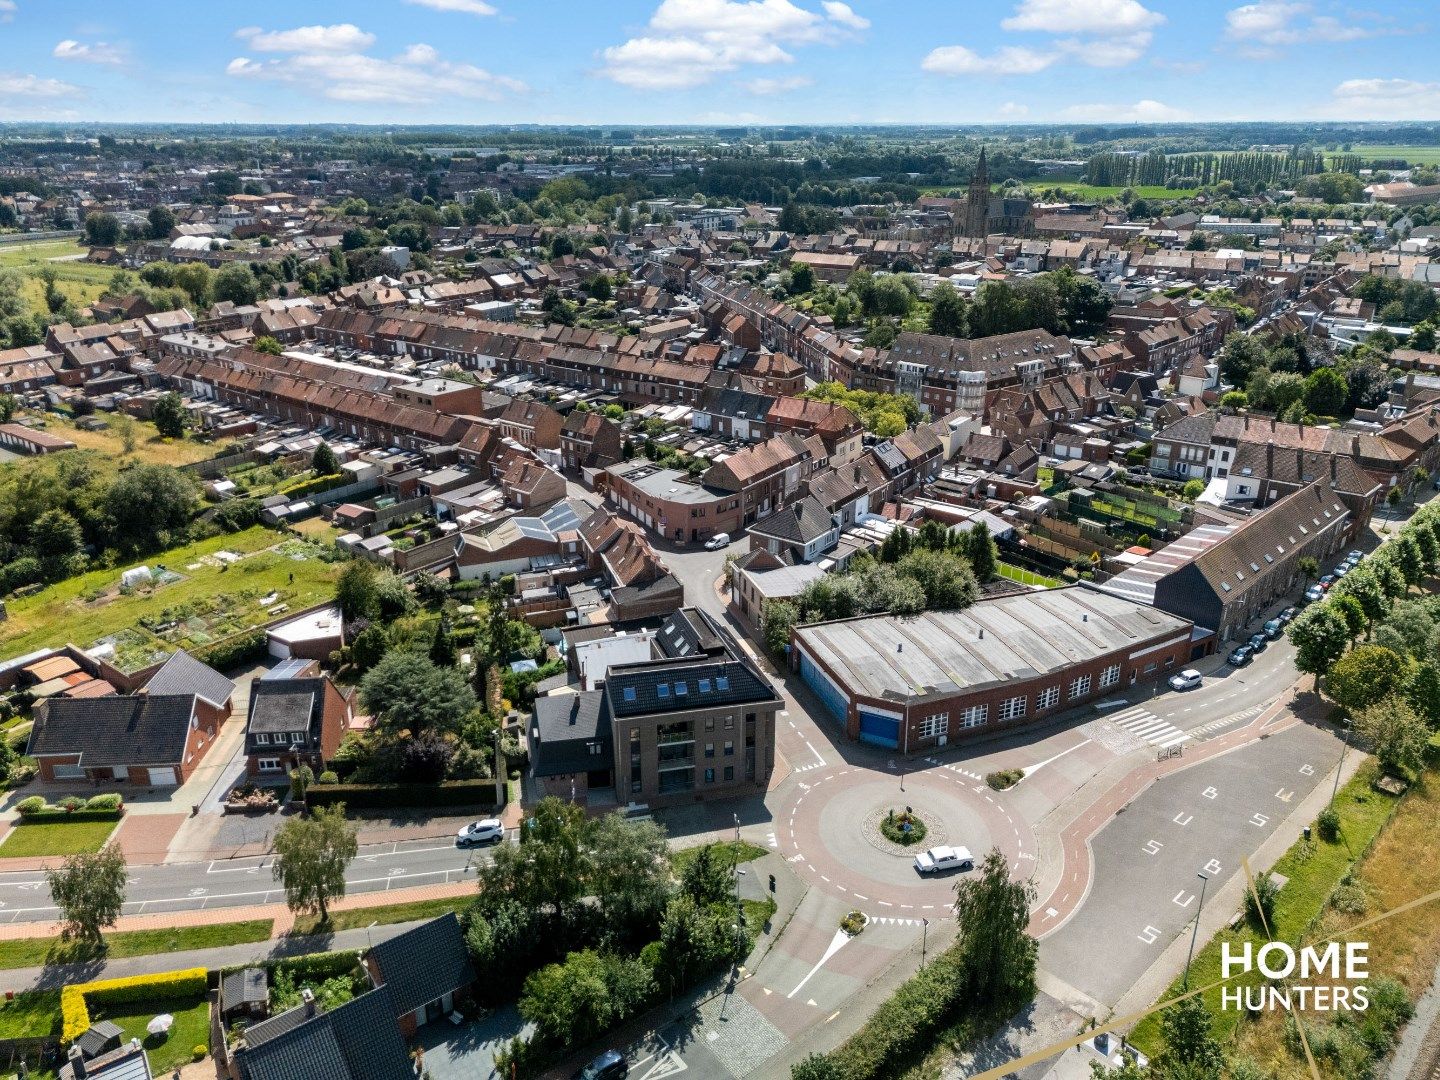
x=1341 y=763
x=1204 y=880
x=924 y=926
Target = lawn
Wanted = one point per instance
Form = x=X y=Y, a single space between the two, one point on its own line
x=1415 y=155
x=1313 y=875
x=1025 y=577
x=39 y=952
x=82 y=282
x=149 y=446
x=730 y=852
x=384 y=915
x=33 y=838
x=166 y=1052
x=71 y=612
x=31 y=1015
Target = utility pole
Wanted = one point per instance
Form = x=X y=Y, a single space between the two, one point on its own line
x=1340 y=764
x=1195 y=931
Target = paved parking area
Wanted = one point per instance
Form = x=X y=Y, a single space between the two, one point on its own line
x=1144 y=891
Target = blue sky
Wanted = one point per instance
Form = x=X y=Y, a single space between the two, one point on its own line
x=717 y=61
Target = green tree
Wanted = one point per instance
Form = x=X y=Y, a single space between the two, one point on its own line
x=780 y=616
x=1366 y=674
x=628 y=872
x=1349 y=609
x=947 y=311
x=194 y=279
x=707 y=878
x=162 y=220
x=170 y=416
x=311 y=854
x=994 y=952
x=369 y=646
x=355 y=591
x=1320 y=637
x=56 y=535
x=147 y=507
x=1260 y=902
x=947 y=580
x=8 y=404
x=102 y=230
x=442 y=648
x=1191 y=1050
x=323 y=461
x=573 y=1002
x=545 y=872
x=981 y=551
x=1309 y=567
x=89 y=891
x=406 y=691
x=122 y=425
x=268 y=345
x=802 y=278
x=1326 y=392
x=1193 y=489
x=816 y=1067
x=235 y=283
x=1396 y=734
x=600 y=287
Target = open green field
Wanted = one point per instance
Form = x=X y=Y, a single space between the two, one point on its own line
x=29 y=839
x=208 y=600
x=1415 y=155
x=82 y=282
x=39 y=952
x=150 y=447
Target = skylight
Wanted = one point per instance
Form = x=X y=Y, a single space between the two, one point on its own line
x=722 y=682
x=629 y=693
x=663 y=690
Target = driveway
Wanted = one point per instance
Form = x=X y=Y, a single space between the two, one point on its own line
x=467 y=1051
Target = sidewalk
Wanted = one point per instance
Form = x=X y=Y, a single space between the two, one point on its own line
x=46 y=978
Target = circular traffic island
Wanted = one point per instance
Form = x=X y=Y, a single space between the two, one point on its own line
x=903 y=827
x=901 y=831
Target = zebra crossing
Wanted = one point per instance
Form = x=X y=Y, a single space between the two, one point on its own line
x=1234 y=718
x=955 y=769
x=1147 y=727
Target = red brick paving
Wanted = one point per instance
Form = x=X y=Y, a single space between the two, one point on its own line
x=145 y=838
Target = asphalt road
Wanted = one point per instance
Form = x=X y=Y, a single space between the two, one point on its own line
x=24 y=896
x=1145 y=888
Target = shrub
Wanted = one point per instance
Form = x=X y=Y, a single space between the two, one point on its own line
x=904 y=829
x=232 y=652
x=33 y=805
x=853 y=923
x=1004 y=779
x=327 y=777
x=1349 y=899
x=198 y=1052
x=75 y=998
x=1260 y=901
x=108 y=801
x=71 y=803
x=1329 y=824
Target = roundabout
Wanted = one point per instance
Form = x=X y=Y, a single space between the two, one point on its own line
x=832 y=811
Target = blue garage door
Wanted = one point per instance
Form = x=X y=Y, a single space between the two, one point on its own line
x=828 y=693
x=879 y=730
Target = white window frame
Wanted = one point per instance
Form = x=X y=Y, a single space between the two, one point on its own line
x=268 y=764
x=935 y=725
x=1080 y=687
x=974 y=716
x=262 y=738
x=1110 y=676
x=1014 y=708
x=1047 y=698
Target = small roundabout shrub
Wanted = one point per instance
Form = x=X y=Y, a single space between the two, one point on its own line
x=904 y=828
x=853 y=923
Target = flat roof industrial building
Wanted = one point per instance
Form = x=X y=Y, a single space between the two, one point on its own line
x=914 y=683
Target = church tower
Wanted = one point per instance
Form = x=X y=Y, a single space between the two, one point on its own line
x=977 y=200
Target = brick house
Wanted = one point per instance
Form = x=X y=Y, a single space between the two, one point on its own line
x=589 y=440
x=293 y=722
x=183 y=674
x=153 y=740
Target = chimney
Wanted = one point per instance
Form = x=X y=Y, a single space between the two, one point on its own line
x=308 y=1000
x=1334 y=468
x=76 y=1061
x=982 y=633
x=1270 y=458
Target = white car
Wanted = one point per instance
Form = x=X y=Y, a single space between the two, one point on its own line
x=1188 y=679
x=718 y=541
x=939 y=859
x=485 y=831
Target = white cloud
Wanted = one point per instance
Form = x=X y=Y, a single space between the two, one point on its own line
x=1146 y=111
x=690 y=42
x=99 y=52
x=416 y=76
x=1385 y=99
x=468 y=7
x=1263 y=28
x=1013 y=109
x=1103 y=18
x=843 y=15
x=7 y=10
x=765 y=86
x=340 y=38
x=1010 y=60
x=33 y=86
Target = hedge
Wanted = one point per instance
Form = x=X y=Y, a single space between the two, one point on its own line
x=51 y=813
x=233 y=651
x=475 y=793
x=75 y=1012
x=301 y=488
x=310 y=968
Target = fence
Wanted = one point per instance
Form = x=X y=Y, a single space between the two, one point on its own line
x=387 y=514
x=219 y=466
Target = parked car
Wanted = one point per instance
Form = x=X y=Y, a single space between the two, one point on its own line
x=718 y=541
x=939 y=859
x=1258 y=643
x=1326 y=582
x=1355 y=556
x=611 y=1065
x=1240 y=656
x=1273 y=629
x=1315 y=592
x=1188 y=679
x=1288 y=615
x=488 y=830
